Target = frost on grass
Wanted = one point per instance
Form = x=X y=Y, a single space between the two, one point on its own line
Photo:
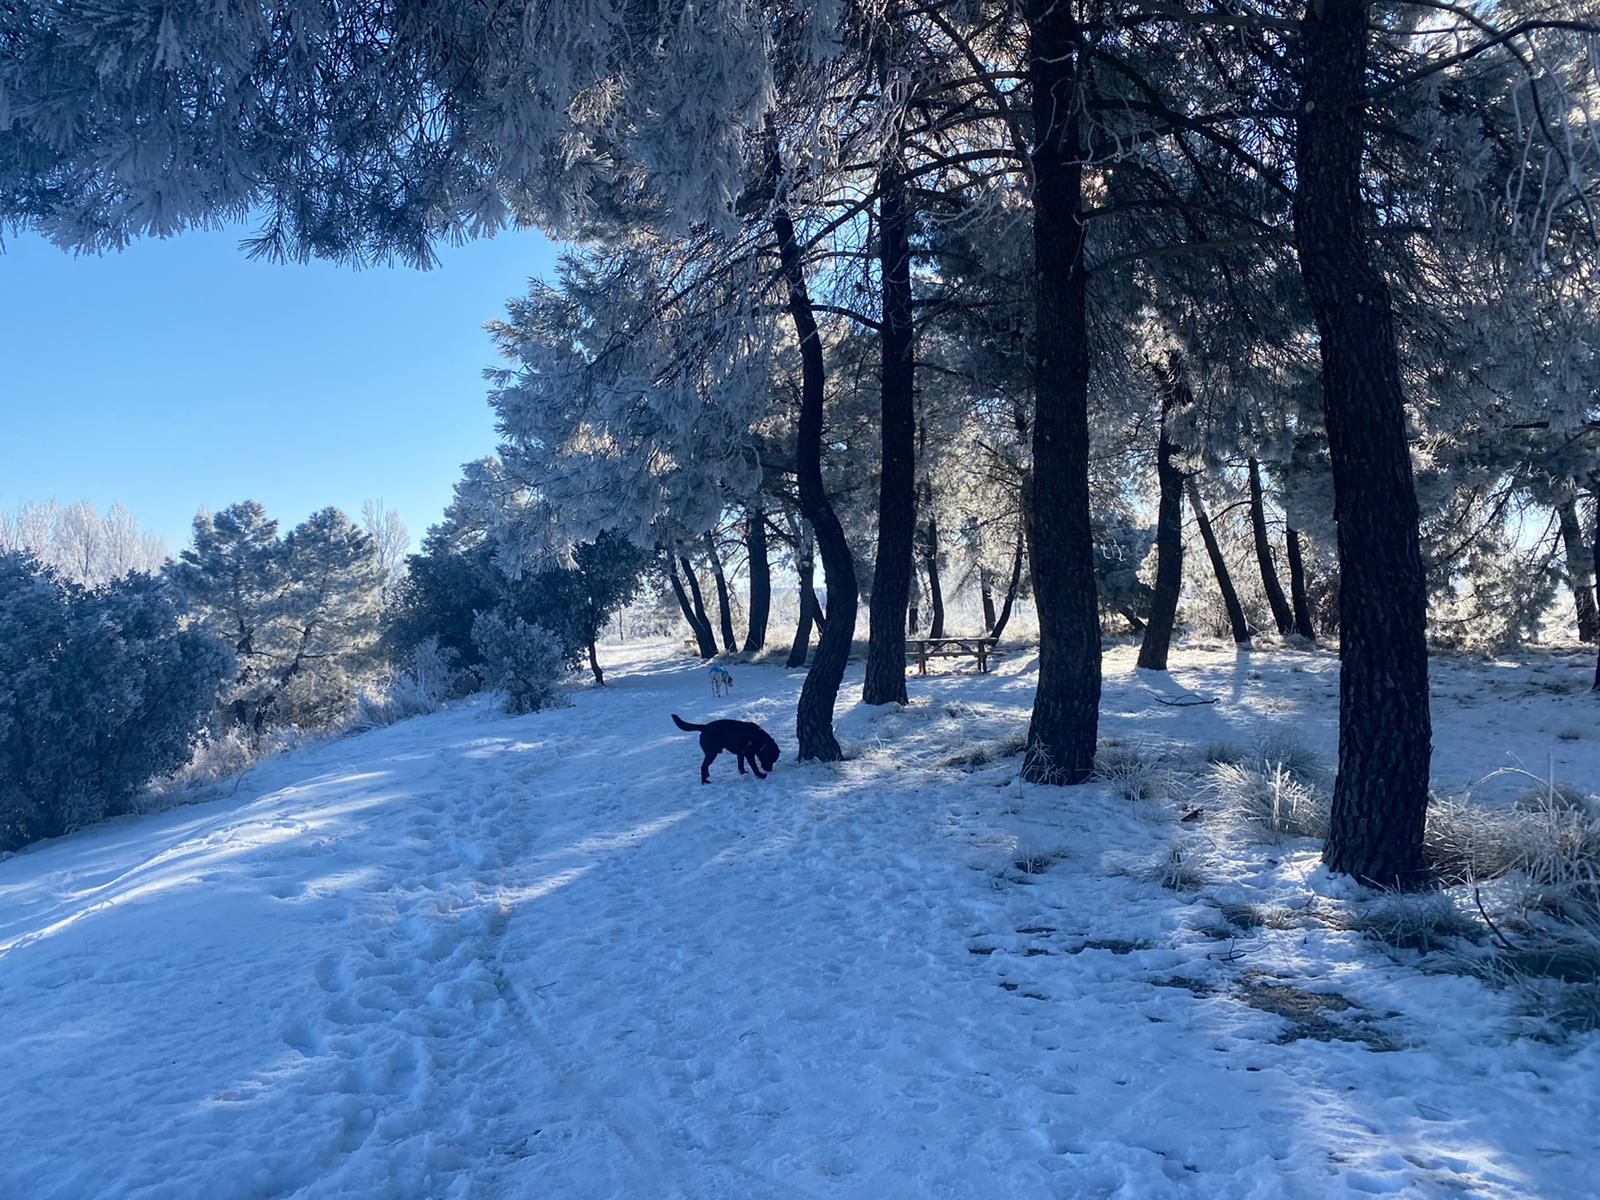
x=1270 y=799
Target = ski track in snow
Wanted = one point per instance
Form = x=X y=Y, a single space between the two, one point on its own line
x=480 y=956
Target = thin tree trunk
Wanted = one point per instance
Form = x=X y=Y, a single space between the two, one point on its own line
x=1281 y=616
x=1219 y=567
x=702 y=633
x=1303 y=625
x=1578 y=572
x=1000 y=622
x=1380 y=795
x=814 y=715
x=930 y=559
x=730 y=643
x=1594 y=489
x=891 y=576
x=755 y=544
x=986 y=595
x=1169 y=552
x=1066 y=707
x=594 y=665
x=805 y=568
x=703 y=629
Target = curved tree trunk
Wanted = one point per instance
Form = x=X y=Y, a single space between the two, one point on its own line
x=930 y=564
x=1578 y=571
x=755 y=544
x=702 y=617
x=999 y=626
x=1219 y=567
x=594 y=665
x=1303 y=625
x=1169 y=555
x=730 y=643
x=1380 y=795
x=891 y=575
x=1066 y=707
x=702 y=632
x=805 y=568
x=1281 y=616
x=814 y=716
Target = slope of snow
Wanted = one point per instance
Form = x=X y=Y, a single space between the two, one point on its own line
x=473 y=955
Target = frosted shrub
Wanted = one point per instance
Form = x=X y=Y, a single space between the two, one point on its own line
x=524 y=661
x=1270 y=799
x=431 y=678
x=101 y=691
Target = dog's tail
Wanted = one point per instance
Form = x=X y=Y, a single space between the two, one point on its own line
x=684 y=725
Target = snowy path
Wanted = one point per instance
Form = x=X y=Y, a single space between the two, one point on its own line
x=478 y=956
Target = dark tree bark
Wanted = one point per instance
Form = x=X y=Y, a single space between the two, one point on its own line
x=1595 y=542
x=891 y=576
x=1169 y=552
x=1000 y=622
x=805 y=567
x=1303 y=624
x=986 y=595
x=1066 y=707
x=702 y=631
x=594 y=665
x=730 y=643
x=1281 y=616
x=702 y=617
x=1578 y=571
x=1219 y=567
x=930 y=563
x=913 y=614
x=755 y=544
x=814 y=716
x=1380 y=795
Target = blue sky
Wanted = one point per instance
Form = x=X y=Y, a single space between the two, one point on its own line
x=178 y=375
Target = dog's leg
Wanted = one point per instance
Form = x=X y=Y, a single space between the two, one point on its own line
x=705 y=766
x=741 y=765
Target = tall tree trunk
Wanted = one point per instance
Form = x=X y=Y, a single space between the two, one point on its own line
x=1594 y=489
x=594 y=665
x=1066 y=707
x=1169 y=553
x=702 y=631
x=1281 y=616
x=1219 y=567
x=805 y=567
x=999 y=626
x=755 y=544
x=702 y=617
x=814 y=716
x=986 y=596
x=930 y=554
x=1578 y=572
x=1380 y=795
x=1303 y=625
x=891 y=576
x=730 y=643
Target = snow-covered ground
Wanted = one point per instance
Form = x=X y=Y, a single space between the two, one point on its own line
x=473 y=955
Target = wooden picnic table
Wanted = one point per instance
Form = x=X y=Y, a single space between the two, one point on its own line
x=980 y=648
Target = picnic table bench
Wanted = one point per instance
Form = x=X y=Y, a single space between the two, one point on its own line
x=980 y=648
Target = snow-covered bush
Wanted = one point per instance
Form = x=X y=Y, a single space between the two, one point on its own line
x=101 y=691
x=524 y=661
x=1271 y=799
x=431 y=677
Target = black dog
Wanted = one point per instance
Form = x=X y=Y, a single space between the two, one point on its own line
x=744 y=738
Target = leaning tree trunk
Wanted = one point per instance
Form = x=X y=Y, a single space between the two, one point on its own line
x=1380 y=795
x=724 y=611
x=755 y=544
x=805 y=568
x=1281 y=616
x=814 y=715
x=891 y=575
x=594 y=665
x=1219 y=567
x=1000 y=622
x=1066 y=707
x=1169 y=554
x=1303 y=624
x=930 y=562
x=702 y=631
x=1578 y=573
x=702 y=618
